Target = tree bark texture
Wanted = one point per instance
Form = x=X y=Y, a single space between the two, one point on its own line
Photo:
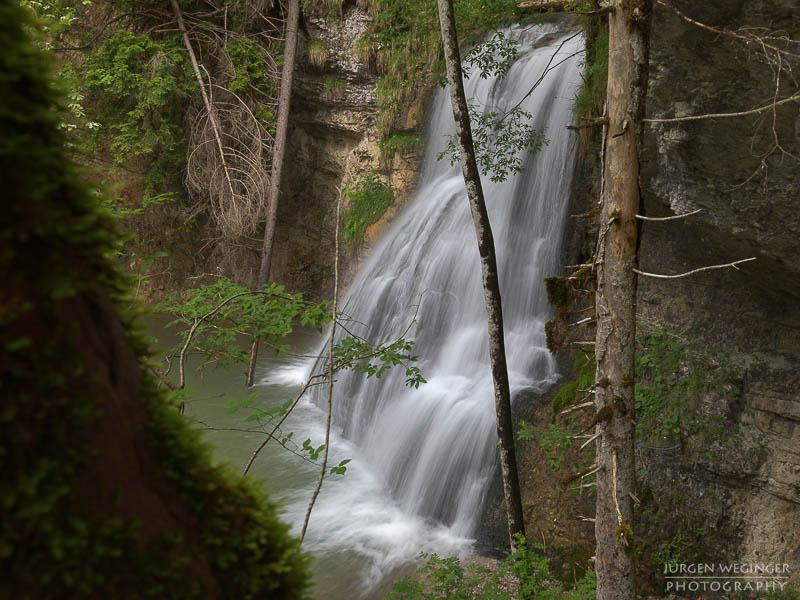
x=491 y=282
x=616 y=297
x=278 y=152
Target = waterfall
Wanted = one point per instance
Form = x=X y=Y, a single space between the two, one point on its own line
x=430 y=451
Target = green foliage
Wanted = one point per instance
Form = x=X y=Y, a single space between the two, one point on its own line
x=574 y=391
x=334 y=88
x=369 y=198
x=140 y=86
x=373 y=361
x=554 y=441
x=363 y=49
x=227 y=311
x=407 y=33
x=672 y=551
x=527 y=568
x=495 y=55
x=249 y=67
x=317 y=52
x=671 y=376
x=591 y=97
x=499 y=139
x=398 y=142
x=81 y=379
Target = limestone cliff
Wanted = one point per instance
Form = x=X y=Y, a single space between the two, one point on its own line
x=332 y=141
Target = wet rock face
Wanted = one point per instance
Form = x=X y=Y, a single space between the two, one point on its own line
x=748 y=190
x=333 y=140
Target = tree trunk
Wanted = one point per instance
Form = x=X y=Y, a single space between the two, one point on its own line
x=491 y=283
x=616 y=298
x=278 y=152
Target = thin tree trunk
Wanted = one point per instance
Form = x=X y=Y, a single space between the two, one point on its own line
x=278 y=152
x=324 y=466
x=616 y=298
x=491 y=283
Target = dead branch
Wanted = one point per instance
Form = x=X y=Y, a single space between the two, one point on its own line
x=590 y=440
x=744 y=113
x=747 y=37
x=590 y=122
x=195 y=67
x=577 y=407
x=672 y=218
x=622 y=538
x=693 y=271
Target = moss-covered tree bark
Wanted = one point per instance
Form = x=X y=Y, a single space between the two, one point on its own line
x=105 y=491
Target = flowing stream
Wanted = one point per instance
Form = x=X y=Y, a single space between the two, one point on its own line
x=422 y=458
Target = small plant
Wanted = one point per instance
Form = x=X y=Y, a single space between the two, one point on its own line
x=671 y=375
x=399 y=142
x=317 y=52
x=334 y=88
x=554 y=441
x=524 y=574
x=369 y=198
x=363 y=49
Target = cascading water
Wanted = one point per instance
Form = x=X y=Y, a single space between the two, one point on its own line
x=423 y=458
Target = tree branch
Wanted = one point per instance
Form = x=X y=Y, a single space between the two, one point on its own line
x=324 y=464
x=672 y=218
x=209 y=108
x=755 y=111
x=693 y=271
x=747 y=39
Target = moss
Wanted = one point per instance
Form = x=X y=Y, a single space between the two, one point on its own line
x=64 y=305
x=558 y=293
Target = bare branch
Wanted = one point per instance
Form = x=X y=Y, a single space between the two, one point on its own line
x=795 y=97
x=324 y=465
x=693 y=271
x=590 y=440
x=577 y=407
x=747 y=38
x=672 y=218
x=186 y=42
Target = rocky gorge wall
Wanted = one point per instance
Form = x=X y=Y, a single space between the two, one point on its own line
x=333 y=141
x=745 y=488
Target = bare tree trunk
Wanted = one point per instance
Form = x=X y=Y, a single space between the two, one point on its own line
x=491 y=283
x=616 y=298
x=279 y=150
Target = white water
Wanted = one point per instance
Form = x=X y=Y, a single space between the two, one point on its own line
x=422 y=459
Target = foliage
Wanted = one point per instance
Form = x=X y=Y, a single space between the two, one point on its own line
x=526 y=569
x=577 y=389
x=499 y=138
x=64 y=304
x=554 y=441
x=140 y=86
x=251 y=74
x=268 y=313
x=406 y=33
x=363 y=49
x=671 y=376
x=591 y=97
x=493 y=56
x=398 y=142
x=334 y=88
x=369 y=198
x=317 y=52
